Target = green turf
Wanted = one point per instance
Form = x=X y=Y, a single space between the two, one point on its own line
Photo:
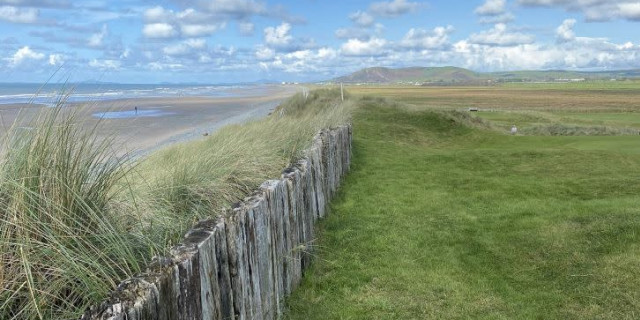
x=441 y=221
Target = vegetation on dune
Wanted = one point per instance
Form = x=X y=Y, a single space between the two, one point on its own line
x=75 y=220
x=61 y=246
x=440 y=218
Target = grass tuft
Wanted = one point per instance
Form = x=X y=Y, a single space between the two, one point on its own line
x=61 y=246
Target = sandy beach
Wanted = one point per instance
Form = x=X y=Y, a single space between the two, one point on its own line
x=142 y=125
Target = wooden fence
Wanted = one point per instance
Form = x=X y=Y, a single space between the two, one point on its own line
x=241 y=265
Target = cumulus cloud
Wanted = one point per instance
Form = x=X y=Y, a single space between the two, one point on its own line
x=199 y=30
x=96 y=39
x=491 y=8
x=158 y=14
x=394 y=8
x=438 y=38
x=594 y=10
x=500 y=36
x=564 y=32
x=362 y=19
x=185 y=47
x=188 y=23
x=278 y=36
x=105 y=64
x=371 y=47
x=19 y=15
x=630 y=11
x=158 y=30
x=24 y=54
x=265 y=53
x=56 y=59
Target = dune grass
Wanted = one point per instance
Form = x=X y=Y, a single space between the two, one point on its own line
x=75 y=220
x=443 y=219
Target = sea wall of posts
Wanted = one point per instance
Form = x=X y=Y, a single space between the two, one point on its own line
x=241 y=265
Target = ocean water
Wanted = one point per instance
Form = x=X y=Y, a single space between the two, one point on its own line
x=49 y=94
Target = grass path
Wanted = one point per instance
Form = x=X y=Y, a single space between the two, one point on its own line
x=440 y=220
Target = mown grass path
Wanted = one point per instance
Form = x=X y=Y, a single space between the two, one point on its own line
x=440 y=220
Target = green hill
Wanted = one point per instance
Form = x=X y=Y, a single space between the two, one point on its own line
x=448 y=75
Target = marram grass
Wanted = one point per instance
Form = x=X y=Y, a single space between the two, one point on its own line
x=75 y=219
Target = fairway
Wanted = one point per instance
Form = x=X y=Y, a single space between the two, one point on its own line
x=441 y=218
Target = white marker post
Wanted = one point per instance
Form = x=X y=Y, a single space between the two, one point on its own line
x=342 y=91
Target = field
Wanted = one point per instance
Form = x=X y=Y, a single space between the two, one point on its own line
x=446 y=216
x=574 y=97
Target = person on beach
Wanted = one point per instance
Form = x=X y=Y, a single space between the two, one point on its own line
x=136 y=108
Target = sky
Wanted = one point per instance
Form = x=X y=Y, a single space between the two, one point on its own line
x=225 y=41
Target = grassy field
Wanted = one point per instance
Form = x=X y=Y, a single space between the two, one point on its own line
x=572 y=97
x=446 y=217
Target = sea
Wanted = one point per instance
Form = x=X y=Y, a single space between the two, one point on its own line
x=49 y=94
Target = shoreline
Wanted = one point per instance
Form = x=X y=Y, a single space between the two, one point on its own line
x=149 y=124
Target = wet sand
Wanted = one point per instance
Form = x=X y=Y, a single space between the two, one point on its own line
x=161 y=121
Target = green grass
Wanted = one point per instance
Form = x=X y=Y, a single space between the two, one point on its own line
x=76 y=220
x=440 y=219
x=581 y=85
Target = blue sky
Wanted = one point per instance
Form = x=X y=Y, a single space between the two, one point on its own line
x=212 y=41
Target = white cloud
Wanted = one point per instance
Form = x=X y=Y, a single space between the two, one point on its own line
x=96 y=39
x=362 y=19
x=503 y=18
x=438 y=38
x=234 y=8
x=594 y=10
x=278 y=36
x=500 y=36
x=491 y=8
x=564 y=32
x=199 y=30
x=158 y=14
x=106 y=64
x=372 y=47
x=158 y=30
x=19 y=15
x=630 y=11
x=327 y=53
x=185 y=48
x=24 y=54
x=159 y=66
x=164 y=23
x=265 y=53
x=56 y=59
x=394 y=8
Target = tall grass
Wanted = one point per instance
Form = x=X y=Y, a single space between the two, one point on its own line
x=61 y=244
x=190 y=181
x=75 y=219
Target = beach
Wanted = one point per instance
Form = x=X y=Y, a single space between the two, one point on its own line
x=141 y=125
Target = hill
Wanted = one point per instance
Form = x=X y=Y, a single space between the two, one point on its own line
x=450 y=75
